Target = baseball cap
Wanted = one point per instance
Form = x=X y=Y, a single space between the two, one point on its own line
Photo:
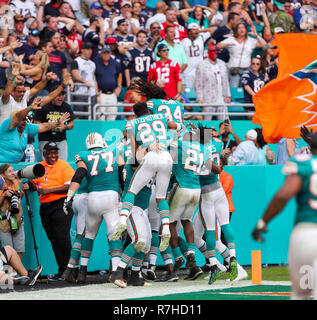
x=252 y=134
x=50 y=146
x=111 y=40
x=96 y=5
x=124 y=3
x=193 y=26
x=105 y=48
x=19 y=17
x=161 y=47
x=279 y=30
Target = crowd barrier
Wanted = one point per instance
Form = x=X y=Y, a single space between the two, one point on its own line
x=254 y=186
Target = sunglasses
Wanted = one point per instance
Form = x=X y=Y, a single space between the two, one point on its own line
x=35 y=32
x=155 y=28
x=256 y=63
x=164 y=50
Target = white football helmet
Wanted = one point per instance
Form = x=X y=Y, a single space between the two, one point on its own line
x=94 y=140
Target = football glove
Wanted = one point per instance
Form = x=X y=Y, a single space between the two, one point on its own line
x=67 y=207
x=258 y=230
x=306 y=134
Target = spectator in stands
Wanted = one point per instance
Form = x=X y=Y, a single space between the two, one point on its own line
x=155 y=36
x=253 y=80
x=286 y=148
x=95 y=34
x=96 y=9
x=305 y=17
x=159 y=17
x=289 y=7
x=124 y=38
x=136 y=14
x=118 y=53
x=146 y=10
x=109 y=80
x=12 y=231
x=29 y=48
x=126 y=14
x=52 y=189
x=15 y=96
x=6 y=15
x=69 y=48
x=171 y=20
x=52 y=112
x=224 y=32
x=36 y=70
x=140 y=57
x=280 y=19
x=25 y=8
x=52 y=25
x=109 y=10
x=19 y=27
x=246 y=152
x=176 y=50
x=4 y=65
x=217 y=17
x=166 y=73
x=225 y=134
x=198 y=16
x=240 y=48
x=269 y=61
x=15 y=130
x=212 y=85
x=83 y=72
x=194 y=47
x=66 y=11
x=266 y=155
x=244 y=16
x=52 y=8
x=58 y=62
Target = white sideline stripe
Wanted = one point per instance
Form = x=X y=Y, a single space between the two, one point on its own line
x=109 y=291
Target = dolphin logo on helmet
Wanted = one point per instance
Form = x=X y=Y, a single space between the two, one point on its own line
x=95 y=140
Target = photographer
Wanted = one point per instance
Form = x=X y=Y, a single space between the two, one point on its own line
x=11 y=219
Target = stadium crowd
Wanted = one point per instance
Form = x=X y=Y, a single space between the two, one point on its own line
x=59 y=57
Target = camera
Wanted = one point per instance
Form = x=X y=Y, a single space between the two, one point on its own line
x=31 y=172
x=15 y=201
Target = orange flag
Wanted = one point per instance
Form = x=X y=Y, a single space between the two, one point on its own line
x=287 y=103
x=296 y=51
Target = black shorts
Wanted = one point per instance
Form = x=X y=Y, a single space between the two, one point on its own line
x=6 y=261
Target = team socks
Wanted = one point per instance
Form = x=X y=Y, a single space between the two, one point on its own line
x=228 y=234
x=115 y=251
x=75 y=252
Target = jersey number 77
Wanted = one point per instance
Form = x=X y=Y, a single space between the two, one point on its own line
x=108 y=157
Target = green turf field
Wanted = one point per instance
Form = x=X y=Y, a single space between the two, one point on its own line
x=248 y=292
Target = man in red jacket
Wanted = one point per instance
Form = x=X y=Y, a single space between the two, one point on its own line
x=166 y=73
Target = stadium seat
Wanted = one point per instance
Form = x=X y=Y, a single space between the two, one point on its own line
x=191 y=94
x=237 y=95
x=122 y=94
